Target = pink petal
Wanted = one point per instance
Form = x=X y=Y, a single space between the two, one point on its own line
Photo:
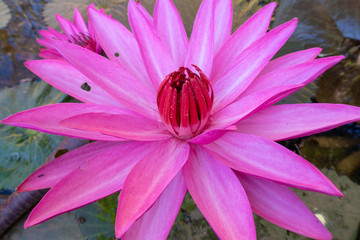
x=279 y=205
x=112 y=78
x=144 y=12
x=201 y=45
x=118 y=43
x=171 y=30
x=50 y=54
x=47 y=118
x=261 y=157
x=219 y=196
x=297 y=74
x=208 y=136
x=46 y=34
x=68 y=27
x=128 y=126
x=45 y=42
x=98 y=48
x=248 y=65
x=157 y=59
x=291 y=59
x=65 y=77
x=79 y=22
x=253 y=29
x=248 y=105
x=147 y=180
x=57 y=34
x=222 y=23
x=282 y=122
x=99 y=177
x=156 y=223
x=50 y=174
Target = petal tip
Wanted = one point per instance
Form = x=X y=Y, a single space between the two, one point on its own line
x=271 y=5
x=341 y=57
x=59 y=18
x=339 y=194
x=120 y=229
x=331 y=189
x=23 y=186
x=317 y=50
x=29 y=64
x=294 y=20
x=6 y=120
x=28 y=223
x=91 y=9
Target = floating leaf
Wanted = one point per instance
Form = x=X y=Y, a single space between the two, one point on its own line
x=23 y=150
x=61 y=227
x=18 y=204
x=322 y=23
x=97 y=219
x=346 y=14
x=315 y=27
x=5 y=14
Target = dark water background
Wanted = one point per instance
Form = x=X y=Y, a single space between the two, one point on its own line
x=333 y=25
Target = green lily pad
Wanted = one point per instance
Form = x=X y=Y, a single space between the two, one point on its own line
x=22 y=150
x=97 y=219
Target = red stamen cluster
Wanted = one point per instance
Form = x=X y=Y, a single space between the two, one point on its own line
x=84 y=41
x=184 y=100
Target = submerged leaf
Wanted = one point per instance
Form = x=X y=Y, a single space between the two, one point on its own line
x=23 y=150
x=346 y=14
x=303 y=95
x=316 y=26
x=97 y=219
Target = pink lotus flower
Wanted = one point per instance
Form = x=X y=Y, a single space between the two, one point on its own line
x=171 y=115
x=76 y=32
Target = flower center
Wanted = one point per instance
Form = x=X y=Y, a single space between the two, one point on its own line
x=84 y=41
x=184 y=101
